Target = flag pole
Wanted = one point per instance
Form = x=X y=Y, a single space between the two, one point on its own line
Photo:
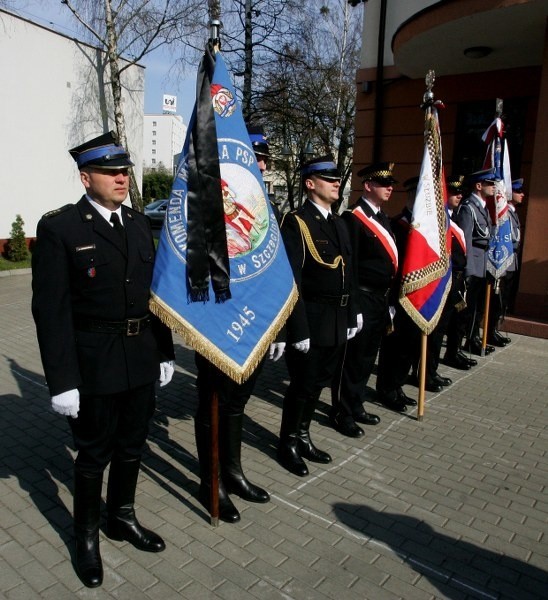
x=422 y=377
x=485 y=318
x=427 y=102
x=215 y=24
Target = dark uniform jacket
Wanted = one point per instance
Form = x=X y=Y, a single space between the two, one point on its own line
x=81 y=269
x=475 y=221
x=515 y=229
x=325 y=308
x=373 y=267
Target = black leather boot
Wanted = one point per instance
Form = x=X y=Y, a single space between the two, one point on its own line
x=122 y=524
x=87 y=513
x=288 y=452
x=227 y=511
x=304 y=443
x=230 y=455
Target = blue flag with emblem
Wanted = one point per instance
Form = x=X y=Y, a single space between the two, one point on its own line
x=234 y=331
x=500 y=255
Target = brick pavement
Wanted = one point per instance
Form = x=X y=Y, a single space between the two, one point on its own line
x=452 y=507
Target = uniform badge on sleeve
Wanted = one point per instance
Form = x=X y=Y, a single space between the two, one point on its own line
x=92 y=272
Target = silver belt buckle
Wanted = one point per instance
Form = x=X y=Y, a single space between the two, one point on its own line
x=344 y=300
x=133 y=327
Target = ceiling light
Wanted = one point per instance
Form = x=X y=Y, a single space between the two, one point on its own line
x=477 y=51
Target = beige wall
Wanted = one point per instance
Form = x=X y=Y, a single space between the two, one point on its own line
x=50 y=102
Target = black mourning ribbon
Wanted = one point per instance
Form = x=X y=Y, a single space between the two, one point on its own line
x=207 y=252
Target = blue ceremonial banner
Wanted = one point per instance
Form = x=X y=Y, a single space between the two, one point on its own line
x=500 y=254
x=235 y=331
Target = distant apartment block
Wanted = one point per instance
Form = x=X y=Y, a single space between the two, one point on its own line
x=163 y=138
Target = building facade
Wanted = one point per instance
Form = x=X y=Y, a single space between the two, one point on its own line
x=163 y=138
x=480 y=50
x=55 y=95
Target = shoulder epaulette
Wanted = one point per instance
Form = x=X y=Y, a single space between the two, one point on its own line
x=57 y=211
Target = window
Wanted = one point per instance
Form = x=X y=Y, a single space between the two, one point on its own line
x=153 y=151
x=154 y=123
x=154 y=142
x=153 y=132
x=473 y=119
x=153 y=161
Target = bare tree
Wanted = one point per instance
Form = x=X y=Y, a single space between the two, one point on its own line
x=308 y=94
x=128 y=30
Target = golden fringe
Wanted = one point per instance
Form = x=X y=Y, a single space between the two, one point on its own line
x=432 y=272
x=425 y=326
x=201 y=344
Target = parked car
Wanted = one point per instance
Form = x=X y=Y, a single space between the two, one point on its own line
x=156 y=211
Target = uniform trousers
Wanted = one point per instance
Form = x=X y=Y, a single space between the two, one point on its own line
x=232 y=396
x=112 y=426
x=309 y=373
x=356 y=364
x=475 y=306
x=398 y=353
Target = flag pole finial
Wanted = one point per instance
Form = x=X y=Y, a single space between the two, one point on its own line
x=214 y=28
x=499 y=103
x=428 y=97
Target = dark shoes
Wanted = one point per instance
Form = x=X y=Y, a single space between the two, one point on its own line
x=227 y=511
x=290 y=458
x=307 y=450
x=366 y=418
x=497 y=339
x=123 y=526
x=475 y=347
x=239 y=484
x=459 y=361
x=394 y=400
x=89 y=567
x=346 y=426
x=443 y=381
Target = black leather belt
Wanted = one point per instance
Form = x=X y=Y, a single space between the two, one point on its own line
x=326 y=299
x=129 y=327
x=482 y=246
x=376 y=291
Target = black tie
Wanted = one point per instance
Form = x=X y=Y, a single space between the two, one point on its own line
x=383 y=220
x=117 y=225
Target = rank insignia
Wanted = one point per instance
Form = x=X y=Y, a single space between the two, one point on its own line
x=92 y=272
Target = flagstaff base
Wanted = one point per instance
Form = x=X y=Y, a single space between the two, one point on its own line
x=214 y=521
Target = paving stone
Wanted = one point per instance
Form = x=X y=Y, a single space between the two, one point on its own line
x=452 y=507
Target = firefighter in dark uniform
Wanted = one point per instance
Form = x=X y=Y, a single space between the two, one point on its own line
x=232 y=399
x=452 y=317
x=375 y=261
x=399 y=350
x=101 y=349
x=475 y=221
x=318 y=247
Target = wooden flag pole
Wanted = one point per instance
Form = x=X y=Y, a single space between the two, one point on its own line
x=485 y=318
x=422 y=377
x=214 y=458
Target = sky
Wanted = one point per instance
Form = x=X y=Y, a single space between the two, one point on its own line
x=158 y=78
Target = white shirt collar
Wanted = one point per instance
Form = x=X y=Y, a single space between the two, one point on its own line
x=480 y=200
x=374 y=208
x=105 y=212
x=322 y=210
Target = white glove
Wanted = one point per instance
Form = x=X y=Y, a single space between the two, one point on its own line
x=302 y=346
x=359 y=318
x=67 y=403
x=392 y=312
x=166 y=372
x=351 y=332
x=276 y=350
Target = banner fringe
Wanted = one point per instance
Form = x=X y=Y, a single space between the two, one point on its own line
x=198 y=342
